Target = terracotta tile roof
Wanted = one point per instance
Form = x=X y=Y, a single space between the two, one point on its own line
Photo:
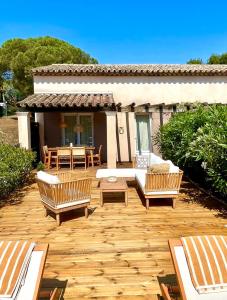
x=127 y=70
x=67 y=100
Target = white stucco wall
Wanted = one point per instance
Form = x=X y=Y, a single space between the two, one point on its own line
x=140 y=89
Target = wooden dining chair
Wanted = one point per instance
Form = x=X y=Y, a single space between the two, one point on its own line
x=79 y=156
x=64 y=157
x=95 y=158
x=45 y=156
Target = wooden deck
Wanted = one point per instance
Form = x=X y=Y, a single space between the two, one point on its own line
x=118 y=251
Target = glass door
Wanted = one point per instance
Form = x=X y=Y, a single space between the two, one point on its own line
x=69 y=136
x=86 y=134
x=143 y=141
x=78 y=129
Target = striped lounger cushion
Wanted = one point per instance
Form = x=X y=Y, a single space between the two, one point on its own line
x=14 y=260
x=206 y=257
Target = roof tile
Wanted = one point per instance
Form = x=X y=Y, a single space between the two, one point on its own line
x=131 y=69
x=67 y=100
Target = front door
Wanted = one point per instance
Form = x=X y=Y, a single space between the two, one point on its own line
x=78 y=129
x=143 y=128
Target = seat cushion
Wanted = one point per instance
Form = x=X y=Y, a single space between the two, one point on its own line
x=48 y=178
x=126 y=173
x=141 y=178
x=190 y=291
x=67 y=204
x=78 y=202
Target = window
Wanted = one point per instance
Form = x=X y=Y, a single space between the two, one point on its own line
x=78 y=130
x=143 y=141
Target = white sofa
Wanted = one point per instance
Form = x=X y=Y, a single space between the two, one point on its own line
x=152 y=185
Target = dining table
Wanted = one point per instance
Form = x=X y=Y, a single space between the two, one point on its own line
x=52 y=151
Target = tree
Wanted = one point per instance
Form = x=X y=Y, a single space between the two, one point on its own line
x=218 y=59
x=214 y=59
x=195 y=61
x=19 y=56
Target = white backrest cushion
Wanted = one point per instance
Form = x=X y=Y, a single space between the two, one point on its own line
x=154 y=159
x=48 y=178
x=172 y=167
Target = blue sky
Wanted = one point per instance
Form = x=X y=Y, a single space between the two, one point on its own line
x=123 y=31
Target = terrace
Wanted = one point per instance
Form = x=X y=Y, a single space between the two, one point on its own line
x=118 y=252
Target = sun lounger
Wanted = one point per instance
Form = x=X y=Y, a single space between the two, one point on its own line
x=31 y=282
x=186 y=287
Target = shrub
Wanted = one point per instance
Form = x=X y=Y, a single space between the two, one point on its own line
x=197 y=140
x=40 y=166
x=15 y=167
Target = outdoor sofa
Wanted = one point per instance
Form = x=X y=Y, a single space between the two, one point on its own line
x=152 y=185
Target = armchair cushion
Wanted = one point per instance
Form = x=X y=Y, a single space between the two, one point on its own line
x=48 y=178
x=68 y=204
x=154 y=159
x=159 y=168
x=172 y=167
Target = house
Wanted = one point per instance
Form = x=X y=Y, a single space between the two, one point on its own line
x=118 y=106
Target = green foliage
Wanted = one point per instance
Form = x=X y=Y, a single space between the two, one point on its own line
x=218 y=59
x=21 y=55
x=15 y=167
x=40 y=166
x=214 y=59
x=195 y=61
x=197 y=139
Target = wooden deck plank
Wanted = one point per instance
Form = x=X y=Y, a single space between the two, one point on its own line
x=118 y=252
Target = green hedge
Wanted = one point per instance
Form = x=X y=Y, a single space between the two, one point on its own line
x=15 y=167
x=196 y=140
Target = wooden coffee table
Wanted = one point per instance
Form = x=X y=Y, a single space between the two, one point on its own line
x=113 y=187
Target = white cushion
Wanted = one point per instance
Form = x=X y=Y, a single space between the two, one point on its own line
x=172 y=167
x=154 y=159
x=67 y=204
x=78 y=202
x=141 y=178
x=162 y=193
x=48 y=178
x=189 y=288
x=28 y=288
x=127 y=173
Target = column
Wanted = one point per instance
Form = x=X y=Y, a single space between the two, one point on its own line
x=111 y=139
x=24 y=129
x=132 y=130
x=39 y=118
x=123 y=136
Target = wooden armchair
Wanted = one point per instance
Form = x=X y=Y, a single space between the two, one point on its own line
x=45 y=156
x=162 y=185
x=95 y=158
x=71 y=193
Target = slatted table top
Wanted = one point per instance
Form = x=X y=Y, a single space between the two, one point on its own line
x=120 y=184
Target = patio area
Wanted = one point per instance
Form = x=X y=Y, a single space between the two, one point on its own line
x=118 y=251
